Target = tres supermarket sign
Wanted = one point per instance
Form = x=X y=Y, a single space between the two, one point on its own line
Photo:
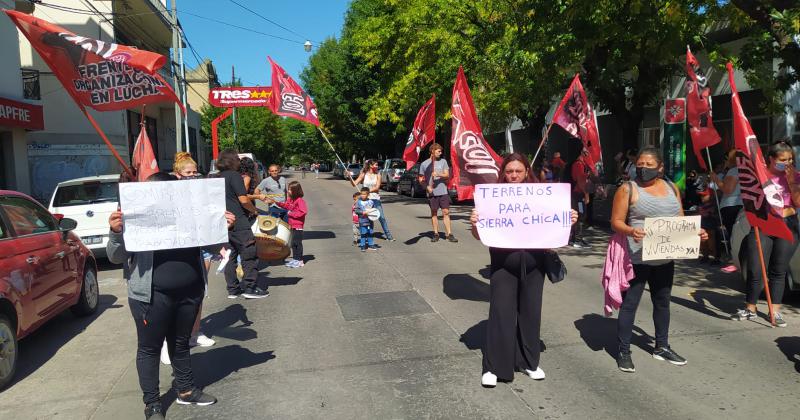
x=238 y=96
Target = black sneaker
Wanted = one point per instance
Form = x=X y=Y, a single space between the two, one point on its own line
x=666 y=353
x=255 y=293
x=585 y=244
x=373 y=248
x=744 y=315
x=451 y=238
x=625 y=363
x=154 y=412
x=197 y=397
x=435 y=237
x=235 y=294
x=364 y=249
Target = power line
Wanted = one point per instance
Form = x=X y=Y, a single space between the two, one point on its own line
x=243 y=28
x=266 y=19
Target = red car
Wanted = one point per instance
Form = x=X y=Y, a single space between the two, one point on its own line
x=44 y=269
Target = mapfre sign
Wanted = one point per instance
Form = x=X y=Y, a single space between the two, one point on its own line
x=238 y=96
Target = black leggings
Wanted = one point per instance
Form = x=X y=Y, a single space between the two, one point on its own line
x=515 y=316
x=659 y=278
x=297 y=244
x=777 y=255
x=171 y=317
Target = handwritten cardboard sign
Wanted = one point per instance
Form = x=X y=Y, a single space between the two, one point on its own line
x=671 y=238
x=523 y=216
x=173 y=214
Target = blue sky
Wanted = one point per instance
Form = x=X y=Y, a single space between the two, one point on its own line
x=226 y=45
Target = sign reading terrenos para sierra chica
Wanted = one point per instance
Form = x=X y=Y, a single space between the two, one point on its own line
x=237 y=96
x=523 y=216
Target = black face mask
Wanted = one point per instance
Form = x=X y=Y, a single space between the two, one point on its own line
x=647 y=174
x=192 y=177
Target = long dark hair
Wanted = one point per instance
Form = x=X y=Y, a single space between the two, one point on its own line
x=228 y=160
x=247 y=167
x=518 y=157
x=295 y=189
x=780 y=146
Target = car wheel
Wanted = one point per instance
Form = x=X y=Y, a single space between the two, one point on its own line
x=8 y=351
x=90 y=294
x=413 y=191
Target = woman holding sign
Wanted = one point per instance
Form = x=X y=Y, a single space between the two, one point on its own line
x=648 y=195
x=515 y=304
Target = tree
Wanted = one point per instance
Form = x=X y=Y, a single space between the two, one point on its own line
x=258 y=131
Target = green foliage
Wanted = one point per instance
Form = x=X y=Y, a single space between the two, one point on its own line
x=258 y=131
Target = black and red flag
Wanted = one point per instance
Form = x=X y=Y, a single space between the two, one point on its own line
x=698 y=108
x=575 y=115
x=423 y=132
x=289 y=99
x=474 y=161
x=97 y=74
x=761 y=198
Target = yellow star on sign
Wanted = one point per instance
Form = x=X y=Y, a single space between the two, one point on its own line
x=265 y=94
x=254 y=94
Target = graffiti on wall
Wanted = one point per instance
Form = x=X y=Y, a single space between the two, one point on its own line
x=50 y=164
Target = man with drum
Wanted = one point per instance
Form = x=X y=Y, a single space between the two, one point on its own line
x=274 y=187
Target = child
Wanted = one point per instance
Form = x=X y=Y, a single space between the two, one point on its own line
x=363 y=206
x=356 y=229
x=297 y=217
x=709 y=252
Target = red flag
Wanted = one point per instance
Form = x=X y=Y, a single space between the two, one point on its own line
x=575 y=115
x=97 y=74
x=762 y=199
x=144 y=160
x=423 y=132
x=698 y=108
x=474 y=161
x=289 y=99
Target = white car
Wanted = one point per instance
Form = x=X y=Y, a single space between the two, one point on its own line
x=89 y=201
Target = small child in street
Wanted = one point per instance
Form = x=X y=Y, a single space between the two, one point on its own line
x=297 y=218
x=356 y=229
x=363 y=206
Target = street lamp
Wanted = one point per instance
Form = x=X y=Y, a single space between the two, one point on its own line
x=307 y=46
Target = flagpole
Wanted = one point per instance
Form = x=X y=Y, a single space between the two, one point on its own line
x=337 y=155
x=541 y=143
x=108 y=143
x=764 y=277
x=719 y=211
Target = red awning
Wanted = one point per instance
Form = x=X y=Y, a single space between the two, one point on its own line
x=20 y=114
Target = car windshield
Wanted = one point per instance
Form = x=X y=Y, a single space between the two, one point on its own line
x=398 y=164
x=87 y=193
x=354 y=167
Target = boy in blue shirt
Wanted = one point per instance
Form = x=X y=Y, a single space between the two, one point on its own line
x=363 y=207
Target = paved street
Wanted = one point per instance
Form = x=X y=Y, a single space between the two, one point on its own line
x=397 y=334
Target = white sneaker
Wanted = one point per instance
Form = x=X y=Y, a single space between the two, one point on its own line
x=165 y=354
x=201 y=340
x=489 y=380
x=537 y=374
x=225 y=254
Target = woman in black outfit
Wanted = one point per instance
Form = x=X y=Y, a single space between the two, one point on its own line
x=515 y=305
x=165 y=290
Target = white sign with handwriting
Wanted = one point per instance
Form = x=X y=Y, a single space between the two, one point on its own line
x=173 y=214
x=671 y=238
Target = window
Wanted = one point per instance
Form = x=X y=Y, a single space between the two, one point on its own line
x=650 y=137
x=87 y=193
x=26 y=217
x=3 y=230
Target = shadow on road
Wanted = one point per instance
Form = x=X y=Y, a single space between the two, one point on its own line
x=721 y=305
x=104 y=264
x=600 y=333
x=790 y=346
x=221 y=324
x=466 y=287
x=318 y=234
x=475 y=337
x=419 y=236
x=36 y=349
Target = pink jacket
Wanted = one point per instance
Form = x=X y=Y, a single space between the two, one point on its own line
x=297 y=211
x=617 y=272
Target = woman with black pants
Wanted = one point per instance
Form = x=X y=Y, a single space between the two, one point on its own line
x=165 y=290
x=515 y=304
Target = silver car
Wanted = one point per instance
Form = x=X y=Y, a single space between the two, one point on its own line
x=740 y=251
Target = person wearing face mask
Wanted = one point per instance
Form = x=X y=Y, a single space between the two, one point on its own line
x=370 y=178
x=778 y=252
x=648 y=195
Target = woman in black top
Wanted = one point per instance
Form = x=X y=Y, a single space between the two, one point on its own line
x=515 y=304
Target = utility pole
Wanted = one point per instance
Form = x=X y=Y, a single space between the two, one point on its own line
x=184 y=98
x=233 y=82
x=175 y=47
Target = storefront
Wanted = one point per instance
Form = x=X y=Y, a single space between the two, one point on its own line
x=16 y=119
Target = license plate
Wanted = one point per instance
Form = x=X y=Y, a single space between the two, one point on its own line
x=91 y=240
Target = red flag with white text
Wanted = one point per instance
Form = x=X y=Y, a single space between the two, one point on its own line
x=474 y=162
x=289 y=99
x=423 y=132
x=698 y=108
x=762 y=198
x=575 y=115
x=97 y=74
x=143 y=158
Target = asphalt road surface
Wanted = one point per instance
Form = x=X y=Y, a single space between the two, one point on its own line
x=397 y=334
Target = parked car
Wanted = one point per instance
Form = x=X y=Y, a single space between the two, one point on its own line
x=44 y=270
x=262 y=170
x=324 y=167
x=89 y=201
x=352 y=171
x=739 y=251
x=338 y=169
x=412 y=183
x=390 y=173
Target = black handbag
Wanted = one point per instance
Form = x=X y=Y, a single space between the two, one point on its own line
x=554 y=267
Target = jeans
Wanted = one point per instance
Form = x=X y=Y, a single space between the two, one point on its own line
x=366 y=236
x=576 y=235
x=279 y=213
x=168 y=316
x=297 y=244
x=382 y=220
x=243 y=244
x=659 y=279
x=777 y=255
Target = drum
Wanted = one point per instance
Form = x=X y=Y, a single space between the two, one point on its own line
x=373 y=214
x=273 y=239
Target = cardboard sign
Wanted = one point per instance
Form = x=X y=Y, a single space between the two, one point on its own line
x=173 y=214
x=671 y=238
x=523 y=216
